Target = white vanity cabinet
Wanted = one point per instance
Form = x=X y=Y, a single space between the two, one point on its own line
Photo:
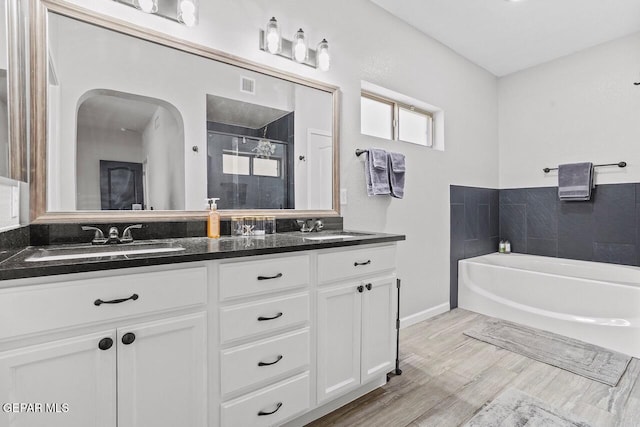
x=251 y=341
x=355 y=320
x=127 y=373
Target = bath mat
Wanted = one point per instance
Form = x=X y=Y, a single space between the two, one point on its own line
x=581 y=358
x=515 y=408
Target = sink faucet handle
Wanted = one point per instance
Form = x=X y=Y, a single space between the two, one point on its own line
x=318 y=226
x=98 y=237
x=126 y=234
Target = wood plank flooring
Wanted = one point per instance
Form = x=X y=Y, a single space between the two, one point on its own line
x=448 y=377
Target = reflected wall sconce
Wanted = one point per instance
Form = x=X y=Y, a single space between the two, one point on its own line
x=296 y=49
x=182 y=11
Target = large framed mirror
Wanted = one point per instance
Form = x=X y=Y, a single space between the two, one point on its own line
x=130 y=124
x=13 y=111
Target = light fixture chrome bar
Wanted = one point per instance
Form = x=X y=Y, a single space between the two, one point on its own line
x=166 y=9
x=287 y=51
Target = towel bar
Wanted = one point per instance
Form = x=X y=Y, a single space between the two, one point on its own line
x=619 y=164
x=359 y=152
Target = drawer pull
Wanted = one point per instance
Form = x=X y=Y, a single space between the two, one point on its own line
x=279 y=358
x=262 y=318
x=278 y=406
x=356 y=264
x=277 y=276
x=368 y=286
x=99 y=302
x=105 y=343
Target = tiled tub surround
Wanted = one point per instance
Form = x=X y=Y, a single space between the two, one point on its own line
x=604 y=229
x=474 y=228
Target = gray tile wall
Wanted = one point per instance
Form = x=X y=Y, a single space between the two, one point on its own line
x=604 y=229
x=474 y=228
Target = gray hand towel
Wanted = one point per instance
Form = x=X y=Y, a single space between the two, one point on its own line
x=397 y=168
x=376 y=173
x=575 y=181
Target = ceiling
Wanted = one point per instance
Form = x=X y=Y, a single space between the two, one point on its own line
x=505 y=36
x=239 y=113
x=115 y=113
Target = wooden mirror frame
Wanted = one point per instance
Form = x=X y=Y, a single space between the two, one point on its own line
x=38 y=173
x=16 y=92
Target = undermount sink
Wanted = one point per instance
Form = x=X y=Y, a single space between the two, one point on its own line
x=63 y=253
x=329 y=235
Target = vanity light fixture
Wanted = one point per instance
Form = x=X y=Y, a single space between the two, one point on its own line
x=147 y=6
x=323 y=60
x=182 y=11
x=299 y=50
x=273 y=41
x=296 y=49
x=188 y=12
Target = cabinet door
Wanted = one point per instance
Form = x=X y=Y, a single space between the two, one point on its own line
x=378 y=327
x=162 y=373
x=339 y=314
x=73 y=380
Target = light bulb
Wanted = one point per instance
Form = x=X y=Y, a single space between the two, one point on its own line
x=299 y=46
x=323 y=60
x=148 y=6
x=188 y=12
x=272 y=37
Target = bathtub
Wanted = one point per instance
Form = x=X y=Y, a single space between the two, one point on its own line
x=590 y=301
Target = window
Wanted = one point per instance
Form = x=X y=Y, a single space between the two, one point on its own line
x=247 y=164
x=235 y=165
x=266 y=167
x=394 y=120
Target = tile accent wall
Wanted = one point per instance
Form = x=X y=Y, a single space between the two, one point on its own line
x=604 y=229
x=474 y=228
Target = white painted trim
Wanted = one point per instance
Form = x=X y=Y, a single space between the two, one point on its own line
x=418 y=317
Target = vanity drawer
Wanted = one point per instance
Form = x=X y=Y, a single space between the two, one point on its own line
x=245 y=278
x=255 y=362
x=264 y=316
x=346 y=264
x=32 y=309
x=282 y=400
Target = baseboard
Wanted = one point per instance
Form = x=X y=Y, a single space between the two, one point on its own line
x=418 y=317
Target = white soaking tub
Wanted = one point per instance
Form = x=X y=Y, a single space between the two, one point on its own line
x=594 y=302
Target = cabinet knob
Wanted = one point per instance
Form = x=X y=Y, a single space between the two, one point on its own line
x=360 y=288
x=105 y=344
x=369 y=286
x=128 y=338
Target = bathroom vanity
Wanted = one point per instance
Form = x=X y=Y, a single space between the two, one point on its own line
x=229 y=332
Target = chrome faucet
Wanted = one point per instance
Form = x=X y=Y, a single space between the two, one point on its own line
x=305 y=226
x=99 y=239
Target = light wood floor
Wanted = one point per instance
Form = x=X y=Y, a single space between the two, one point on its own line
x=448 y=377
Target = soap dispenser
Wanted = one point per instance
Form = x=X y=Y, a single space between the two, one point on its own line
x=213 y=220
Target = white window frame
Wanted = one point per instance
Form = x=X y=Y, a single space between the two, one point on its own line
x=395 y=122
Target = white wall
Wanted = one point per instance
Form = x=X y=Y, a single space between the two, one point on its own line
x=7 y=220
x=95 y=145
x=165 y=174
x=583 y=107
x=383 y=50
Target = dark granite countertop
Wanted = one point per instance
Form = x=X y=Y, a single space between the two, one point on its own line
x=13 y=264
